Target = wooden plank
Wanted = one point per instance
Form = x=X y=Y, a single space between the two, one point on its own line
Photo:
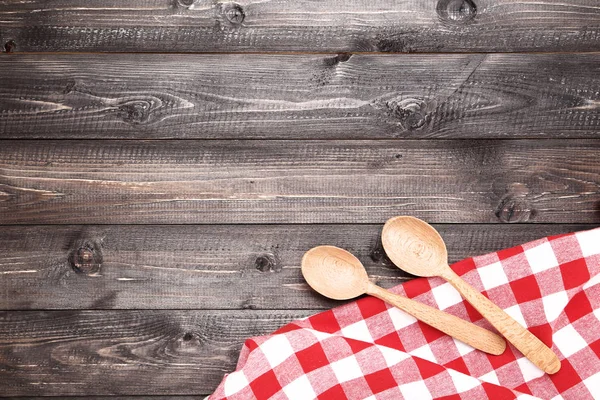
x=137 y=96
x=150 y=352
x=150 y=397
x=205 y=267
x=301 y=25
x=188 y=182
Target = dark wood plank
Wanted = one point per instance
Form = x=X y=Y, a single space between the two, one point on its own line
x=146 y=352
x=205 y=267
x=150 y=397
x=300 y=97
x=185 y=182
x=301 y=25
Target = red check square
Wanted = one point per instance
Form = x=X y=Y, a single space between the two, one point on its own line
x=380 y=381
x=508 y=253
x=578 y=307
x=575 y=273
x=566 y=377
x=265 y=385
x=325 y=322
x=526 y=289
x=312 y=358
x=416 y=287
x=370 y=306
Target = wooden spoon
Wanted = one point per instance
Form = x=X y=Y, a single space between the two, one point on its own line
x=417 y=248
x=337 y=274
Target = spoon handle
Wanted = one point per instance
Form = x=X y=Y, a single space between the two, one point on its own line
x=465 y=331
x=527 y=343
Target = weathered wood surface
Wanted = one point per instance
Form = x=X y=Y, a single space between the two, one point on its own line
x=184 y=182
x=150 y=397
x=205 y=267
x=146 y=352
x=141 y=96
x=305 y=25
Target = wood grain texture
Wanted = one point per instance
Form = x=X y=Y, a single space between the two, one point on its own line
x=146 y=352
x=207 y=267
x=258 y=25
x=185 y=182
x=141 y=96
x=197 y=397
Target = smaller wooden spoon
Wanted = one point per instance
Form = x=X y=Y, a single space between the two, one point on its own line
x=337 y=274
x=417 y=248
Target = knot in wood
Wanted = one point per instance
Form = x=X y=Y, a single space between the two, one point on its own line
x=249 y=305
x=70 y=87
x=234 y=13
x=186 y=3
x=513 y=209
x=135 y=112
x=398 y=43
x=412 y=113
x=267 y=263
x=87 y=258
x=340 y=58
x=10 y=46
x=456 y=11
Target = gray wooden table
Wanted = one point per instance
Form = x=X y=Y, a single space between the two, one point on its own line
x=164 y=164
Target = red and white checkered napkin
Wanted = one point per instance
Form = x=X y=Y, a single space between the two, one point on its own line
x=367 y=349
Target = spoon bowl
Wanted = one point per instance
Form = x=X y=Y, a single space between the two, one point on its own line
x=415 y=246
x=334 y=272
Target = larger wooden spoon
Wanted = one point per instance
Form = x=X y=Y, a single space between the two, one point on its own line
x=337 y=274
x=417 y=248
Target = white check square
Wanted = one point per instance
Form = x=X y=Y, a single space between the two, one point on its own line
x=568 y=341
x=235 y=382
x=392 y=356
x=516 y=314
x=462 y=347
x=446 y=296
x=400 y=319
x=462 y=382
x=321 y=336
x=277 y=349
x=541 y=258
x=594 y=281
x=300 y=389
x=425 y=353
x=589 y=241
x=490 y=377
x=346 y=369
x=415 y=390
x=593 y=385
x=359 y=331
x=528 y=369
x=492 y=275
x=554 y=304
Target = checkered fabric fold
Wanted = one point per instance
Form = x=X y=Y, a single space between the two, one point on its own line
x=367 y=349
